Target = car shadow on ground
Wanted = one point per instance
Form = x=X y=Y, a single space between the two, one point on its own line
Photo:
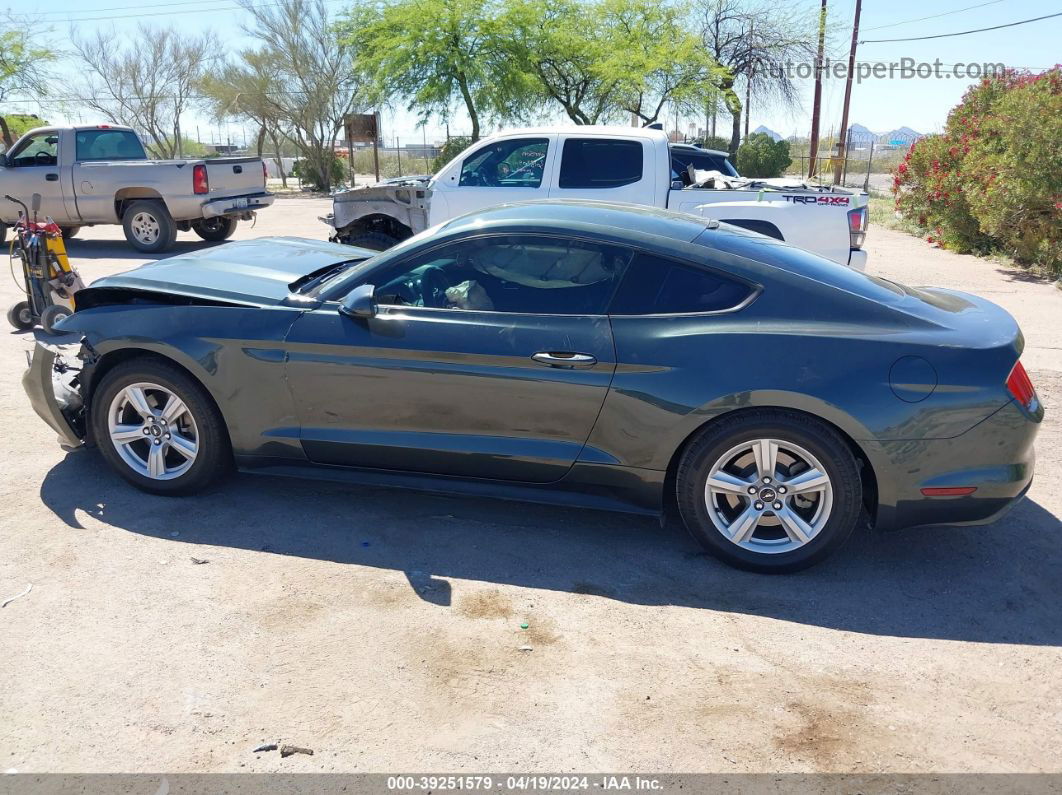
x=994 y=584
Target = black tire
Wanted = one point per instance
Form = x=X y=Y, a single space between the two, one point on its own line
x=3 y=233
x=215 y=229
x=20 y=316
x=817 y=438
x=376 y=241
x=143 y=216
x=213 y=459
x=69 y=231
x=52 y=315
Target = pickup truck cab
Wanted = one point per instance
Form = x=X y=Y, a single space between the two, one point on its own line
x=615 y=164
x=101 y=174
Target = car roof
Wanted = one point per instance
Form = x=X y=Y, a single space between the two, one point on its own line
x=619 y=221
x=694 y=149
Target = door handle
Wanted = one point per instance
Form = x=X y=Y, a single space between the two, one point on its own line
x=564 y=359
x=52 y=177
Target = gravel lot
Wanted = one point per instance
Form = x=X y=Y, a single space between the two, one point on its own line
x=382 y=628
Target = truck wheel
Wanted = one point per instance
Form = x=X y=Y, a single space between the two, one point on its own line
x=149 y=226
x=215 y=229
x=69 y=231
x=20 y=316
x=376 y=241
x=3 y=233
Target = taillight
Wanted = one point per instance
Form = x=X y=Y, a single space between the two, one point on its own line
x=1021 y=386
x=857 y=226
x=200 y=184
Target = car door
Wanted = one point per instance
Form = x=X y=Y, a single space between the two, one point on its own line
x=612 y=169
x=488 y=357
x=500 y=171
x=34 y=168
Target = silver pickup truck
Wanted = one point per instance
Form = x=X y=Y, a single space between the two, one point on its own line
x=101 y=174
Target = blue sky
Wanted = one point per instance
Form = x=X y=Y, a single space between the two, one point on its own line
x=878 y=103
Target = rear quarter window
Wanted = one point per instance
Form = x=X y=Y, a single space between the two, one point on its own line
x=600 y=163
x=659 y=286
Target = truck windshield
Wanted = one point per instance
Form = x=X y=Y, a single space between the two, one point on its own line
x=109 y=145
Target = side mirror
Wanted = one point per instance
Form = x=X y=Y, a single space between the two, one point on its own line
x=359 y=302
x=676 y=184
x=35 y=203
x=3 y=161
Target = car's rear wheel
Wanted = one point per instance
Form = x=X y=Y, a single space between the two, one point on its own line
x=769 y=491
x=215 y=229
x=159 y=429
x=148 y=226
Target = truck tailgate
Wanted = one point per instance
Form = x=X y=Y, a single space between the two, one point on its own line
x=235 y=176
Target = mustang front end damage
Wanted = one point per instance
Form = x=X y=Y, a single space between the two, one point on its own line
x=54 y=386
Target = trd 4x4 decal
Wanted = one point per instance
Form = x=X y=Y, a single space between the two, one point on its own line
x=823 y=201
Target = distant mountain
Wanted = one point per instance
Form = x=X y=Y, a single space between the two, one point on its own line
x=905 y=134
x=768 y=131
x=858 y=134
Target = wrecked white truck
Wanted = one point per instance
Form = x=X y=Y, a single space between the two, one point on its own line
x=615 y=164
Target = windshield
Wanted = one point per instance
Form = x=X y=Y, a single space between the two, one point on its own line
x=339 y=282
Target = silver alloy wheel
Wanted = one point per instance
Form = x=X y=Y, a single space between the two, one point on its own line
x=768 y=496
x=145 y=227
x=153 y=431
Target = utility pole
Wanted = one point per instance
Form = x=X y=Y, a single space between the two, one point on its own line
x=816 y=105
x=841 y=153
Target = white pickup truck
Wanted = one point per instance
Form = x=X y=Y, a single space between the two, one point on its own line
x=616 y=164
x=101 y=174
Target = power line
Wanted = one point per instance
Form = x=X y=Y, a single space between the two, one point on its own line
x=215 y=10
x=963 y=32
x=933 y=16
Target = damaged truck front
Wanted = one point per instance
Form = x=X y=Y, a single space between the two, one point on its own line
x=379 y=216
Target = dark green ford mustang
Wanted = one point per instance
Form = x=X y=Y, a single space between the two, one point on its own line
x=584 y=353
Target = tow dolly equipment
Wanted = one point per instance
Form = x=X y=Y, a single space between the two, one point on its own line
x=49 y=281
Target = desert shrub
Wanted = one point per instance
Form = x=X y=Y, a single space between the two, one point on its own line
x=451 y=149
x=993 y=178
x=716 y=142
x=761 y=156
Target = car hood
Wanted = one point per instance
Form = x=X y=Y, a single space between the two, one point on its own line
x=262 y=271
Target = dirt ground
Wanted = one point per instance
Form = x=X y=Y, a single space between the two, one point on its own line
x=382 y=629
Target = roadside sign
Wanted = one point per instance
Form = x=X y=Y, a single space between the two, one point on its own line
x=362 y=127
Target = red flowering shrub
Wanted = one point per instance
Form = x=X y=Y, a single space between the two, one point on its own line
x=993 y=178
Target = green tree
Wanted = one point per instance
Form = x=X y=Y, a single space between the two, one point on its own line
x=562 y=45
x=761 y=156
x=24 y=65
x=312 y=85
x=451 y=149
x=432 y=54
x=654 y=58
x=247 y=88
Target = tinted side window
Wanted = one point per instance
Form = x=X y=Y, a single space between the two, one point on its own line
x=108 y=145
x=528 y=274
x=600 y=163
x=518 y=163
x=658 y=286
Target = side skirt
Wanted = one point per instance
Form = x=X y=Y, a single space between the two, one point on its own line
x=598 y=486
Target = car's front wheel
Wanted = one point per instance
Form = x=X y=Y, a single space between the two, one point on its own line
x=159 y=429
x=769 y=491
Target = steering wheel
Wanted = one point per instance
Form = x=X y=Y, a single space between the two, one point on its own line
x=43 y=158
x=433 y=286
